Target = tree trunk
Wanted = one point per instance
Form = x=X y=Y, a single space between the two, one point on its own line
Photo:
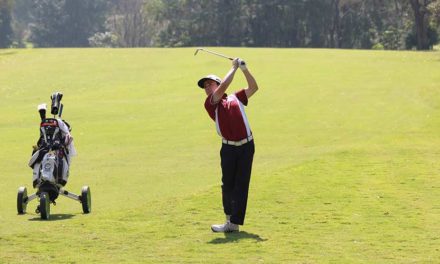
x=421 y=22
x=335 y=28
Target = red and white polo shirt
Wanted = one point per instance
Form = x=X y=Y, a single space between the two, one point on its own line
x=229 y=116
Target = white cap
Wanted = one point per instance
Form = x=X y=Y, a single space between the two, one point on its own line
x=213 y=77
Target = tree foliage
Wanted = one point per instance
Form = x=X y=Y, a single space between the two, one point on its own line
x=6 y=32
x=392 y=24
x=66 y=23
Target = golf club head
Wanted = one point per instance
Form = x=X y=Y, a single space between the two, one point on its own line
x=42 y=110
x=60 y=112
x=56 y=101
x=197 y=50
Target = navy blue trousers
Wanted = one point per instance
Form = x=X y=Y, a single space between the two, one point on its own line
x=236 y=165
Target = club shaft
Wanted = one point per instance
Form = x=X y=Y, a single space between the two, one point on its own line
x=218 y=54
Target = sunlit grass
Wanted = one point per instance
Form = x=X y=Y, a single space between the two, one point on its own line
x=346 y=166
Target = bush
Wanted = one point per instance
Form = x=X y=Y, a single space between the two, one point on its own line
x=378 y=46
x=391 y=39
x=103 y=40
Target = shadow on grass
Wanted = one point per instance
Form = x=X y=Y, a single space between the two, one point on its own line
x=235 y=237
x=7 y=52
x=54 y=217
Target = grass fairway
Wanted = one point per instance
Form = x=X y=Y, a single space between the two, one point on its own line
x=346 y=168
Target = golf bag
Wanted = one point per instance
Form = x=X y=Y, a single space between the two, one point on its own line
x=51 y=156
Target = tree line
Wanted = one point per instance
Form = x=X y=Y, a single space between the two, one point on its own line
x=365 y=24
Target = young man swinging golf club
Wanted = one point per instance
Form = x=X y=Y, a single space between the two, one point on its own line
x=238 y=148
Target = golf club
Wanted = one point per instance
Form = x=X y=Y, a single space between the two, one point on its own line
x=217 y=54
x=212 y=52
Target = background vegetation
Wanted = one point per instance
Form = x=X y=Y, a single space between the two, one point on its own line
x=377 y=24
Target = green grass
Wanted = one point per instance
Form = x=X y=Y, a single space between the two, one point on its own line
x=346 y=167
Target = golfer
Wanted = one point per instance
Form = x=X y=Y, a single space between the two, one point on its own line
x=238 y=148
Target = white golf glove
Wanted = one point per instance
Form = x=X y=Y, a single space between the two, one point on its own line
x=242 y=64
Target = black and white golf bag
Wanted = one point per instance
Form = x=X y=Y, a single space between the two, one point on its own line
x=51 y=156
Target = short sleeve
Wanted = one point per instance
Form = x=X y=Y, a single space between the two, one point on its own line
x=210 y=108
x=241 y=95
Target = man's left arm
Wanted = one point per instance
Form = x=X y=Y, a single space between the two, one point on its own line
x=252 y=84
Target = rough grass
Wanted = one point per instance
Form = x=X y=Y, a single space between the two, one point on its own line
x=346 y=167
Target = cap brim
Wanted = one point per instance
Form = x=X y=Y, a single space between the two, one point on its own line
x=201 y=82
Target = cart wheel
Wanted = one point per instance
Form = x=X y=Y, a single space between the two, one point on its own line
x=44 y=205
x=22 y=200
x=86 y=199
